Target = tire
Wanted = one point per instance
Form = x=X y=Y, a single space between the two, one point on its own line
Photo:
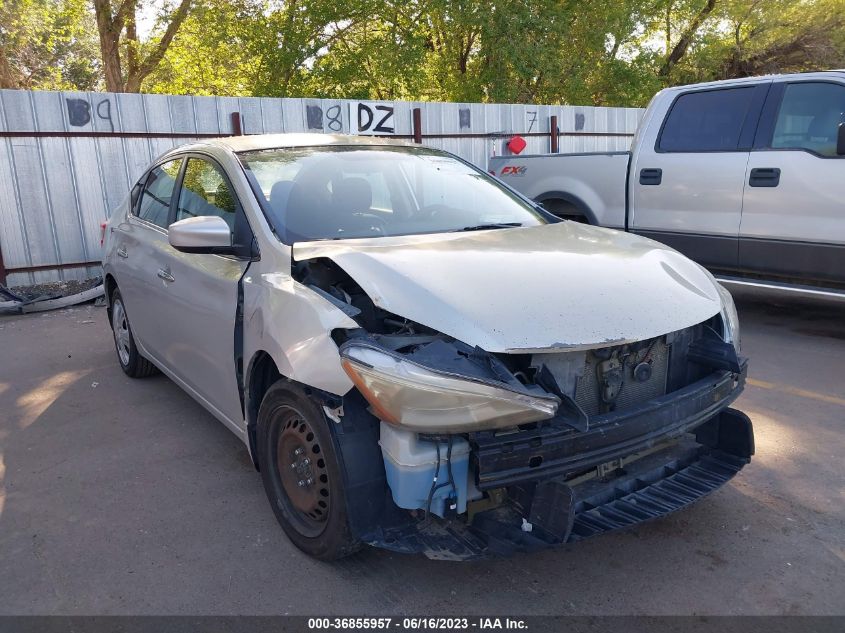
x=131 y=362
x=565 y=210
x=302 y=474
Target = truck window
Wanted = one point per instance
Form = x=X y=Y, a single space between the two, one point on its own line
x=709 y=121
x=809 y=117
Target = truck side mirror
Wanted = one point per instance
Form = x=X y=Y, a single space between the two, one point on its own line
x=840 y=140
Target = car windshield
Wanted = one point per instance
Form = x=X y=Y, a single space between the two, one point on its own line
x=342 y=192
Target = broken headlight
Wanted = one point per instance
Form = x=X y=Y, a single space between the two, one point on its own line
x=423 y=399
x=729 y=316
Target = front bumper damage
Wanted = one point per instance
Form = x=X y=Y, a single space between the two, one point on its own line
x=664 y=454
x=551 y=451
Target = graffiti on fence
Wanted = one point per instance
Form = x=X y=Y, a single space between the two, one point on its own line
x=531 y=120
x=317 y=119
x=579 y=121
x=464 y=118
x=79 y=112
x=373 y=118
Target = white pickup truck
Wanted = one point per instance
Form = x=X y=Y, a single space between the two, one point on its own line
x=746 y=176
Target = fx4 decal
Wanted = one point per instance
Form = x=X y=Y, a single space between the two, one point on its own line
x=514 y=170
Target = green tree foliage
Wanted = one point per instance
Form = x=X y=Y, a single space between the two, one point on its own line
x=602 y=52
x=767 y=36
x=213 y=53
x=48 y=44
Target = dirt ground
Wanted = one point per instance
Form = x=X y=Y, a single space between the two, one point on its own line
x=122 y=496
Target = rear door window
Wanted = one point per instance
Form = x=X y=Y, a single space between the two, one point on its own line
x=809 y=117
x=155 y=202
x=709 y=121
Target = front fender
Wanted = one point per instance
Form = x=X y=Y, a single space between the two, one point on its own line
x=293 y=325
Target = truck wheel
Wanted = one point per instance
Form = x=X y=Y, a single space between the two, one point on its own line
x=565 y=210
x=302 y=474
x=131 y=362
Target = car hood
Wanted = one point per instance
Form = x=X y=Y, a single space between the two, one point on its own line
x=547 y=288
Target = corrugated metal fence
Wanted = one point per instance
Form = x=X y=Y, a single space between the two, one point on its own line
x=68 y=158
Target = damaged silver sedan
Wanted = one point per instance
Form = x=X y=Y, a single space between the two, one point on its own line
x=419 y=358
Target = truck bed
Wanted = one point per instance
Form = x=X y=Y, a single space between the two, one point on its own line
x=591 y=185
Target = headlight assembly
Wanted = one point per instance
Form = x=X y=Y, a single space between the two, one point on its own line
x=729 y=317
x=419 y=398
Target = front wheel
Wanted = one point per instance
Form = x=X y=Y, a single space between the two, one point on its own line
x=302 y=474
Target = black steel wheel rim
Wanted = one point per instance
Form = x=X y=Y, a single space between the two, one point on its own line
x=302 y=471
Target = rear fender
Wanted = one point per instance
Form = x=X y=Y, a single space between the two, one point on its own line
x=582 y=207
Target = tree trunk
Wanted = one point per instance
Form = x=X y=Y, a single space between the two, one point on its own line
x=137 y=75
x=8 y=78
x=109 y=28
x=111 y=66
x=668 y=27
x=132 y=42
x=686 y=38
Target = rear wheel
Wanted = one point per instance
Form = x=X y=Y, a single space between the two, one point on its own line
x=131 y=362
x=565 y=210
x=302 y=474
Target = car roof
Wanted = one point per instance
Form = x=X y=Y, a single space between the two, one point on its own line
x=253 y=142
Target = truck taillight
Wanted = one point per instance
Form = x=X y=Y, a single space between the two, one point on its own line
x=102 y=233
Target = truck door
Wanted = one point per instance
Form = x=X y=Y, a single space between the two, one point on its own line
x=686 y=188
x=793 y=216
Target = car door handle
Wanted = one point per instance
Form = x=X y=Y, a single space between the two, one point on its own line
x=165 y=274
x=764 y=177
x=121 y=252
x=651 y=176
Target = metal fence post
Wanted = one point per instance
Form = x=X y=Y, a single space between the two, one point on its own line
x=417 y=125
x=237 y=128
x=2 y=269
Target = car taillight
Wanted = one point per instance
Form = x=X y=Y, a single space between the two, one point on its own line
x=102 y=232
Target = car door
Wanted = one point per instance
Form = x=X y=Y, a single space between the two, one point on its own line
x=197 y=319
x=793 y=217
x=687 y=187
x=141 y=249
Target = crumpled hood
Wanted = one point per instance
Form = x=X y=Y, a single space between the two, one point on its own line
x=542 y=288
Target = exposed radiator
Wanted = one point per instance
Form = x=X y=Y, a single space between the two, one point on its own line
x=588 y=388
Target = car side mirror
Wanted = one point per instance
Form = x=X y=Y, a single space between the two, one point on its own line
x=840 y=140
x=207 y=234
